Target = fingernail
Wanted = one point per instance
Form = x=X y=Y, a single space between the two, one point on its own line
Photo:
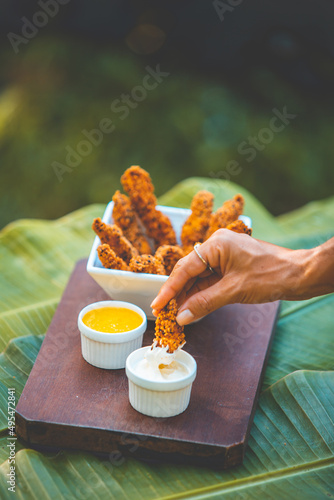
x=153 y=303
x=155 y=312
x=184 y=317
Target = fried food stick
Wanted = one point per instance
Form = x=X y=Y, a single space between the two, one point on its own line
x=125 y=217
x=168 y=333
x=239 y=227
x=195 y=227
x=137 y=183
x=147 y=264
x=226 y=214
x=113 y=236
x=109 y=258
x=169 y=255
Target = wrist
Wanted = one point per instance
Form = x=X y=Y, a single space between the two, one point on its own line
x=307 y=275
x=312 y=274
x=299 y=276
x=320 y=277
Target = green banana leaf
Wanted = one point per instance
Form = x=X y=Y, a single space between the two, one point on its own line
x=291 y=446
x=36 y=259
x=290 y=453
x=313 y=218
x=16 y=363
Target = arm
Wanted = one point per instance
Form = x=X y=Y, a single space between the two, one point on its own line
x=318 y=270
x=247 y=270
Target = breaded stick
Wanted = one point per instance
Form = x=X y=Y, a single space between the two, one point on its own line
x=125 y=218
x=195 y=227
x=137 y=183
x=146 y=264
x=109 y=259
x=239 y=227
x=167 y=331
x=113 y=236
x=226 y=214
x=169 y=255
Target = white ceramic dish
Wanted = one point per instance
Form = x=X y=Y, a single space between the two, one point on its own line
x=110 y=350
x=160 y=398
x=138 y=288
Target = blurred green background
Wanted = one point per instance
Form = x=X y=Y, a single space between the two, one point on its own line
x=192 y=124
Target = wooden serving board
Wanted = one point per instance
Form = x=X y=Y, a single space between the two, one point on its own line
x=67 y=403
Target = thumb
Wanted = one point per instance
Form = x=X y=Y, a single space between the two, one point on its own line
x=202 y=303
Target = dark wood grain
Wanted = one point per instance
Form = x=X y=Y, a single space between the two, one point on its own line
x=68 y=403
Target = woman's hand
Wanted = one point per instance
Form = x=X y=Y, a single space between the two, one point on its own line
x=247 y=270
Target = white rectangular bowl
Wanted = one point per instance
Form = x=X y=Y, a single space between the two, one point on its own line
x=138 y=288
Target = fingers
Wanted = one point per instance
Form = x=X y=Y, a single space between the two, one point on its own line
x=186 y=269
x=190 y=267
x=197 y=286
x=202 y=303
x=193 y=286
x=181 y=296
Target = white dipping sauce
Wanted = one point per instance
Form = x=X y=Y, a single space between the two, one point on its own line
x=159 y=365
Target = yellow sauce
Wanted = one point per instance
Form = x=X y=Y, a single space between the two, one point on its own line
x=112 y=319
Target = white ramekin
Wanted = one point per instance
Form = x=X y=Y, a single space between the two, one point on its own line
x=159 y=398
x=110 y=350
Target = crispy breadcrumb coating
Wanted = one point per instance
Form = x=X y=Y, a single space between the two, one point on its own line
x=239 y=227
x=169 y=255
x=113 y=236
x=195 y=227
x=109 y=258
x=137 y=183
x=226 y=214
x=140 y=228
x=147 y=264
x=167 y=331
x=125 y=217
